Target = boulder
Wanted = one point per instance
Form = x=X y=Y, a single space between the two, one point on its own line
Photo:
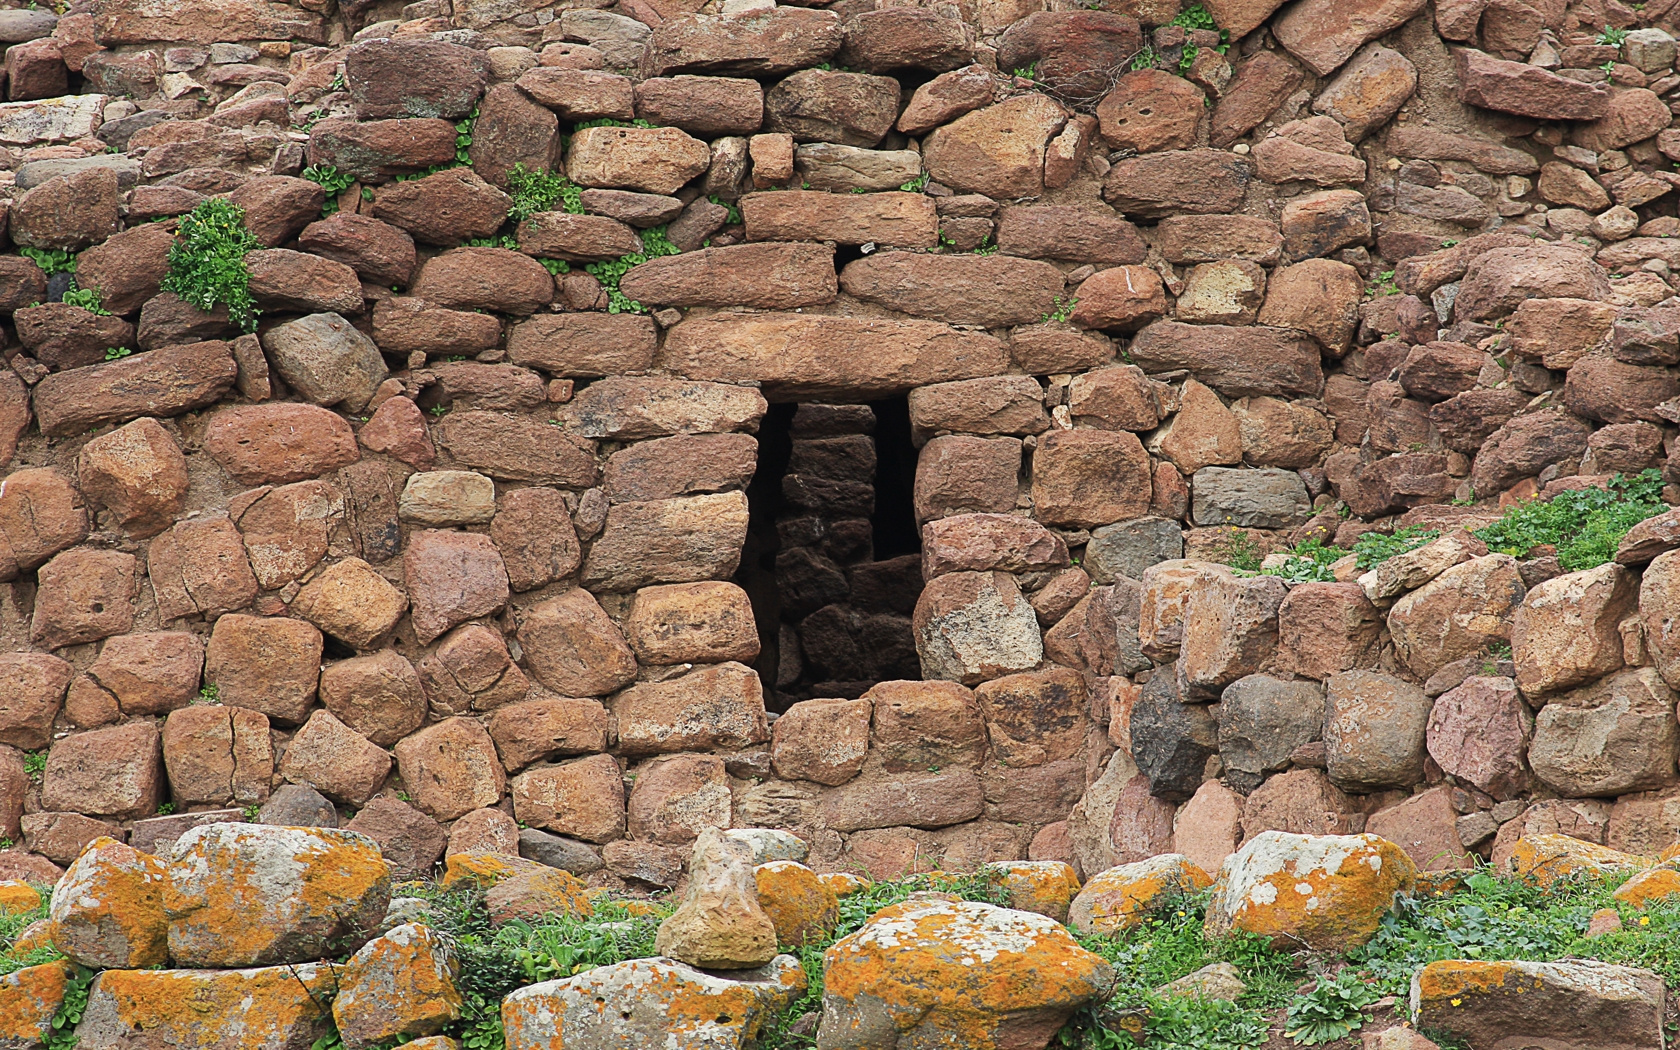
x=1566 y=630
x=278 y=1006
x=1122 y=897
x=107 y=910
x=720 y=924
x=1615 y=736
x=1375 y=727
x=1327 y=893
x=1573 y=1003
x=1460 y=613
x=1479 y=732
x=252 y=895
x=801 y=906
x=645 y=1002
x=956 y=973
x=401 y=983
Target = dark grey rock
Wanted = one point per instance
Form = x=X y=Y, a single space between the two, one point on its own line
x=1262 y=720
x=1171 y=741
x=298 y=806
x=1129 y=547
x=1271 y=498
x=557 y=852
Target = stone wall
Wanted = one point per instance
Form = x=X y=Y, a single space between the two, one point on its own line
x=449 y=544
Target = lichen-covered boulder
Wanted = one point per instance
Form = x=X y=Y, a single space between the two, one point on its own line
x=16 y=898
x=271 y=1007
x=1044 y=887
x=1544 y=859
x=533 y=894
x=802 y=908
x=1324 y=892
x=1121 y=897
x=1654 y=885
x=484 y=869
x=1580 y=1003
x=400 y=984
x=843 y=883
x=107 y=910
x=651 y=1003
x=29 y=998
x=257 y=895
x=938 y=973
x=719 y=925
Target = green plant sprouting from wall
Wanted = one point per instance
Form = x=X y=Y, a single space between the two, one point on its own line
x=207 y=262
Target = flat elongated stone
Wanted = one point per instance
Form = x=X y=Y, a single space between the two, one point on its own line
x=165 y=382
x=805 y=357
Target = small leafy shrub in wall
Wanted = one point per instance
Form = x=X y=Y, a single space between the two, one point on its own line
x=207 y=262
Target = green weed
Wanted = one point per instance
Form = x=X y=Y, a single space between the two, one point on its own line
x=87 y=299
x=1309 y=561
x=1239 y=551
x=1612 y=37
x=332 y=180
x=207 y=262
x=1331 y=1010
x=654 y=245
x=1374 y=548
x=50 y=260
x=1585 y=525
x=541 y=190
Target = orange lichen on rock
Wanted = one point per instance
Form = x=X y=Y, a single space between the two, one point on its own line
x=107 y=911
x=800 y=905
x=273 y=1006
x=486 y=869
x=1045 y=887
x=401 y=984
x=28 y=1000
x=844 y=883
x=930 y=973
x=1326 y=892
x=651 y=1002
x=533 y=894
x=254 y=894
x=1657 y=884
x=16 y=898
x=37 y=934
x=1120 y=897
x=1544 y=859
x=1519 y=1003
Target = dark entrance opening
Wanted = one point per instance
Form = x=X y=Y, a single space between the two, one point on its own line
x=832 y=561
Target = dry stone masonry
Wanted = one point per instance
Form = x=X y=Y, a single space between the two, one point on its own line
x=568 y=431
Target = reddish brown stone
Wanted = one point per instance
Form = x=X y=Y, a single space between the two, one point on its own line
x=150 y=674
x=116 y=772
x=378 y=696
x=451 y=768
x=216 y=755
x=471 y=670
x=335 y=760
x=278 y=207
x=265 y=664
x=543 y=728
x=83 y=595
x=199 y=566
x=408 y=839
x=583 y=799
x=362 y=149
x=280 y=442
x=41 y=513
x=165 y=382
x=32 y=700
x=137 y=472
x=451 y=577
x=713 y=707
x=1087 y=478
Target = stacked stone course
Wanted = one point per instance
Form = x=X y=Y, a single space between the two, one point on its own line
x=454 y=541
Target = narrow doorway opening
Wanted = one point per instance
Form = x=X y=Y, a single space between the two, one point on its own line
x=832 y=561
